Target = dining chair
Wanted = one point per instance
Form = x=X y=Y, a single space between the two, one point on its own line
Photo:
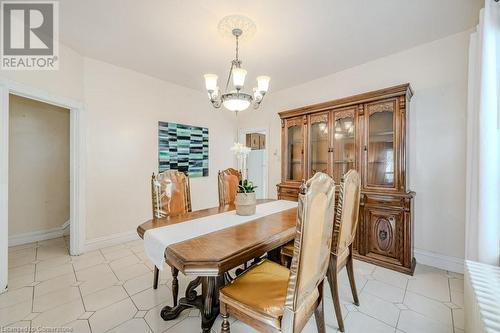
x=170 y=196
x=272 y=298
x=344 y=231
x=229 y=181
x=287 y=249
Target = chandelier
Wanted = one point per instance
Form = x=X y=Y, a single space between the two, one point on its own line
x=234 y=98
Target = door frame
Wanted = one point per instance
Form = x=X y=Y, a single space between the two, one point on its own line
x=242 y=132
x=77 y=167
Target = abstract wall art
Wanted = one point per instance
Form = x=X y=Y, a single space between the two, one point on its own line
x=183 y=148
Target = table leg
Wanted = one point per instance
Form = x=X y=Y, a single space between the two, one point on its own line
x=274 y=255
x=207 y=303
x=210 y=302
x=175 y=284
x=170 y=313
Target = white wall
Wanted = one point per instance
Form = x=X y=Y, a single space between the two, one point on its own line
x=437 y=72
x=123 y=109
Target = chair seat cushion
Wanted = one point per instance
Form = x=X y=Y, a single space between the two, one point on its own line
x=287 y=249
x=259 y=292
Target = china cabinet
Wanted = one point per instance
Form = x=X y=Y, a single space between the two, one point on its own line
x=366 y=132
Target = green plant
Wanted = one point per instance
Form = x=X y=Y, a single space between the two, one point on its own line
x=246 y=186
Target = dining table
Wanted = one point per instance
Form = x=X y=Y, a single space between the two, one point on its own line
x=208 y=258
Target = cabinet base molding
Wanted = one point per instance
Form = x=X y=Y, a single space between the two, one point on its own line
x=385 y=264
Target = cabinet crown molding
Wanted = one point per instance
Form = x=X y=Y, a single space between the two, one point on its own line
x=351 y=100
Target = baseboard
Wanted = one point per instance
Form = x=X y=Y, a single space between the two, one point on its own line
x=115 y=239
x=65 y=228
x=447 y=263
x=41 y=235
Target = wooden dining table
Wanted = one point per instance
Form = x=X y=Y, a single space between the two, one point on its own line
x=209 y=257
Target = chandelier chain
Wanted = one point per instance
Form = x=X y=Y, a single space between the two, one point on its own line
x=236 y=62
x=237 y=48
x=229 y=76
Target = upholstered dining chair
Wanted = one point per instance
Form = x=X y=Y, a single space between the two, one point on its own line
x=344 y=231
x=272 y=298
x=229 y=180
x=171 y=196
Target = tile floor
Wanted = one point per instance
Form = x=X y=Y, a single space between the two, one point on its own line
x=110 y=290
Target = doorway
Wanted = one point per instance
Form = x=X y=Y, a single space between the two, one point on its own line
x=257 y=140
x=76 y=167
x=39 y=146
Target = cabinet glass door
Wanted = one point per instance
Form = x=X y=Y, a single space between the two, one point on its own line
x=344 y=152
x=295 y=145
x=319 y=144
x=380 y=149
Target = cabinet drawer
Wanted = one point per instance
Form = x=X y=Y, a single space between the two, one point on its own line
x=289 y=198
x=380 y=200
x=288 y=193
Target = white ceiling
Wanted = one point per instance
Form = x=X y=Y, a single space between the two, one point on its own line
x=296 y=40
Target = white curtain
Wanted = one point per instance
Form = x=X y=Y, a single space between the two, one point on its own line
x=483 y=139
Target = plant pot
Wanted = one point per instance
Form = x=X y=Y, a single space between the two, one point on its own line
x=245 y=203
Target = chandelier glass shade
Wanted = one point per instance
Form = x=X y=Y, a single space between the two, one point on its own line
x=236 y=99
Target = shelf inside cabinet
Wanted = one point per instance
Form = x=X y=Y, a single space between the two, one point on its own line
x=381 y=133
x=343 y=137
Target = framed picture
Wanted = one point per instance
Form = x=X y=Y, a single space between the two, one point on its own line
x=184 y=148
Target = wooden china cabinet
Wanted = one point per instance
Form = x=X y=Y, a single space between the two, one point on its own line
x=366 y=132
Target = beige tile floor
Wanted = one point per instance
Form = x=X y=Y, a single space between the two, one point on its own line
x=110 y=290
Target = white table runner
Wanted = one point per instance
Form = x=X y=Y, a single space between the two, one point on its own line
x=156 y=240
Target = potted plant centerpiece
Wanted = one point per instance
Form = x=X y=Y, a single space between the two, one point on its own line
x=245 y=200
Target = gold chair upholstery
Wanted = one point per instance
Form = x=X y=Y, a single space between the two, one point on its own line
x=346 y=222
x=229 y=181
x=170 y=196
x=261 y=301
x=273 y=298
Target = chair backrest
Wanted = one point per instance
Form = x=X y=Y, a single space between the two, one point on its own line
x=229 y=180
x=311 y=253
x=170 y=193
x=346 y=217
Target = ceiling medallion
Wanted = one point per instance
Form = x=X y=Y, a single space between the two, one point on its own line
x=234 y=98
x=229 y=23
